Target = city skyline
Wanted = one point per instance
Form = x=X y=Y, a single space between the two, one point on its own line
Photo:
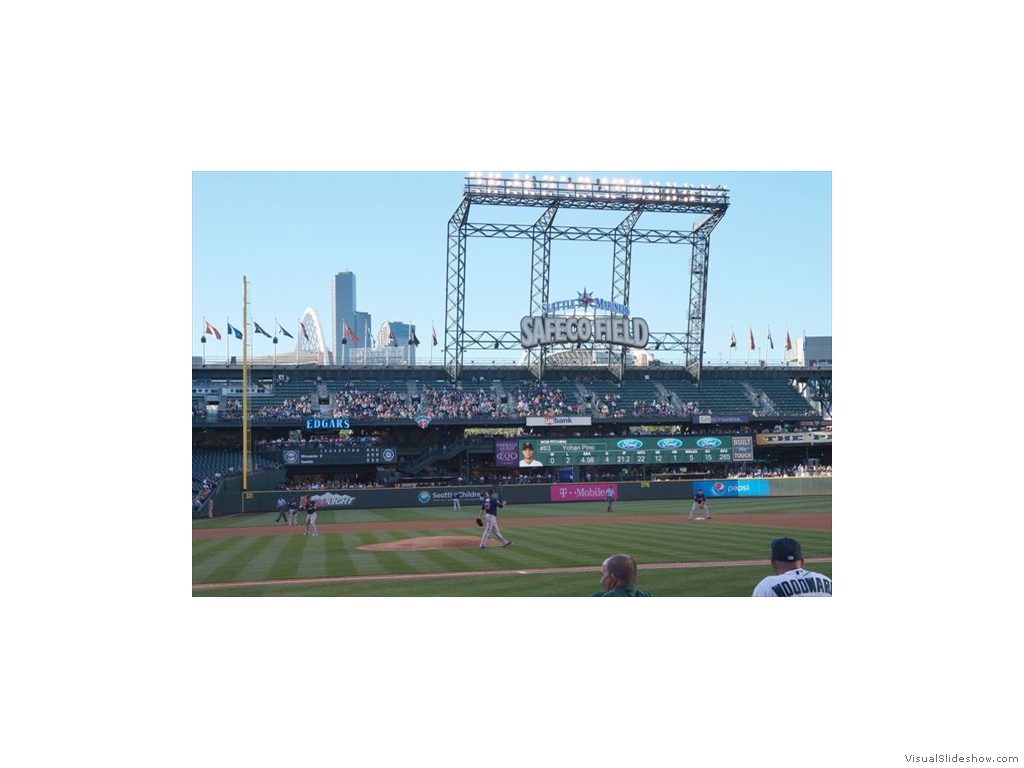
x=290 y=233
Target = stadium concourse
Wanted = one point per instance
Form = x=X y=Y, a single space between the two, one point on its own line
x=380 y=427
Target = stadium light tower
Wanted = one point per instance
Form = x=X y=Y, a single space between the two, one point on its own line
x=633 y=197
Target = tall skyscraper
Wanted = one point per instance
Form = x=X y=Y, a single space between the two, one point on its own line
x=343 y=310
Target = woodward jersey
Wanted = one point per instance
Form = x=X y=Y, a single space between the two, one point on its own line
x=795 y=583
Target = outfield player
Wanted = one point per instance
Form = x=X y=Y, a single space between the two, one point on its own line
x=457 y=501
x=790 y=579
x=491 y=515
x=700 y=503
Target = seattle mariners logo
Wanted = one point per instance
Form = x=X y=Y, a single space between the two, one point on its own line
x=670 y=442
x=709 y=442
x=630 y=445
x=422 y=421
x=291 y=457
x=423 y=497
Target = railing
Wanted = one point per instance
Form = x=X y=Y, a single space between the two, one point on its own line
x=495 y=358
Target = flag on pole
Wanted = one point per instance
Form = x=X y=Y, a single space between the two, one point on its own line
x=260 y=330
x=770 y=342
x=214 y=331
x=413 y=341
x=304 y=331
x=752 y=345
x=283 y=332
x=732 y=341
x=789 y=344
x=235 y=331
x=393 y=341
x=349 y=333
x=433 y=334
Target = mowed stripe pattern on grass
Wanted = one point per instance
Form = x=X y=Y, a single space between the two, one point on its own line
x=289 y=556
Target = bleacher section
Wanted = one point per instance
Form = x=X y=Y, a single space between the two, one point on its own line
x=508 y=399
x=784 y=398
x=628 y=398
x=713 y=396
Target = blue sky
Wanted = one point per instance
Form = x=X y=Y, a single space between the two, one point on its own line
x=289 y=233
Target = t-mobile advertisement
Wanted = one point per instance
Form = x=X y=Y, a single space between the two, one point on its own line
x=583 y=492
x=506 y=453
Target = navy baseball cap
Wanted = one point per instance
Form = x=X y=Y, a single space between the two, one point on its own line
x=786 y=550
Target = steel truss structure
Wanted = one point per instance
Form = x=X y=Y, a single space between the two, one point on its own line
x=632 y=197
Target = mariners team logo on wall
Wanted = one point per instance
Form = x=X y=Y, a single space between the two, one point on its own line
x=423 y=497
x=291 y=457
x=422 y=421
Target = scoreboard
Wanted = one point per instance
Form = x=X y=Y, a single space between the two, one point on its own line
x=704 y=449
x=334 y=455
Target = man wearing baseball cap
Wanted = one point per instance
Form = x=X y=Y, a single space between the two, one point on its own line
x=528 y=460
x=790 y=579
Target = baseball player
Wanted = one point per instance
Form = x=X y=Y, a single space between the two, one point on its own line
x=700 y=503
x=310 y=517
x=610 y=497
x=491 y=515
x=457 y=501
x=293 y=512
x=790 y=579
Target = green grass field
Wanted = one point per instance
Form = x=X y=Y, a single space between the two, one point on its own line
x=286 y=556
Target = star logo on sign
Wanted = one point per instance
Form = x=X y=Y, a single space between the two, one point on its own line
x=586 y=299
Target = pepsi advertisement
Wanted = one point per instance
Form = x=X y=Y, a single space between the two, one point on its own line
x=731 y=488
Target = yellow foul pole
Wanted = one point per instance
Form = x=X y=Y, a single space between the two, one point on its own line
x=245 y=387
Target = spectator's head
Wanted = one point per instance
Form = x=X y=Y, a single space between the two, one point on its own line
x=616 y=571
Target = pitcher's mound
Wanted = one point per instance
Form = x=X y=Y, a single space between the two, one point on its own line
x=425 y=542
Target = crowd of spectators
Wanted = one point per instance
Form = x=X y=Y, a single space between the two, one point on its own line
x=205 y=489
x=331 y=482
x=453 y=402
x=791 y=470
x=476 y=399
x=480 y=400
x=538 y=399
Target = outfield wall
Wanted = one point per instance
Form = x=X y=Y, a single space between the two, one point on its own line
x=263 y=492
